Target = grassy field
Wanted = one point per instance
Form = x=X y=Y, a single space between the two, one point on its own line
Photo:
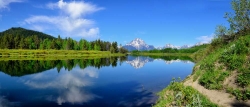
x=19 y=54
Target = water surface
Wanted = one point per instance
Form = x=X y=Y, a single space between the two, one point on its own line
x=107 y=82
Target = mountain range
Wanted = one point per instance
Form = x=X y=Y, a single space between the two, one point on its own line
x=141 y=45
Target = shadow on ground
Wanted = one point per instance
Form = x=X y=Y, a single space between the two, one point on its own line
x=240 y=104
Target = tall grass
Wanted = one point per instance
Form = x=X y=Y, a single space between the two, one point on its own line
x=178 y=95
x=53 y=53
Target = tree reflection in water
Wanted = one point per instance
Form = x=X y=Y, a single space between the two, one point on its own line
x=24 y=67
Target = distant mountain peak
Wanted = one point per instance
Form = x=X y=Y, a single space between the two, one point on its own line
x=137 y=41
x=138 y=44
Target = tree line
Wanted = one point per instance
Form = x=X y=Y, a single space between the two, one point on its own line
x=10 y=41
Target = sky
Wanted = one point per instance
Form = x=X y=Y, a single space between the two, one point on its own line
x=157 y=22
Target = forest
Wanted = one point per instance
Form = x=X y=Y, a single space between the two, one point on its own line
x=20 y=38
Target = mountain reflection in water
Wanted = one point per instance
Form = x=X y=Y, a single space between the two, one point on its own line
x=139 y=61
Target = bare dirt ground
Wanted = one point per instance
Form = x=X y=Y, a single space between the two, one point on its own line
x=230 y=81
x=221 y=98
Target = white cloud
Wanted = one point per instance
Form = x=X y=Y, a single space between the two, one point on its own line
x=70 y=21
x=205 y=39
x=5 y=3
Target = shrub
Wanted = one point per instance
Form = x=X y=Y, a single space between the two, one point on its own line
x=241 y=47
x=241 y=94
x=180 y=95
x=243 y=79
x=213 y=79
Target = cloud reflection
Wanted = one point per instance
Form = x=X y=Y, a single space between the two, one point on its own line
x=74 y=95
x=69 y=84
x=4 y=102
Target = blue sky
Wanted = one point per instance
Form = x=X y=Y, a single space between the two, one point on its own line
x=157 y=22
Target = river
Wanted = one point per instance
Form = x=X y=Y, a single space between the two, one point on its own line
x=131 y=81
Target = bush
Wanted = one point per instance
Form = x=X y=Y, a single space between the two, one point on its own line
x=241 y=47
x=180 y=95
x=216 y=42
x=213 y=79
x=243 y=79
x=232 y=57
x=241 y=94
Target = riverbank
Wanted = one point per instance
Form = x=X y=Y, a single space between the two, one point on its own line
x=221 y=74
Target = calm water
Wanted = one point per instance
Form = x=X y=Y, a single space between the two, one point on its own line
x=107 y=82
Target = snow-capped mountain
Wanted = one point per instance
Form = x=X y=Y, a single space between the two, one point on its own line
x=138 y=62
x=138 y=44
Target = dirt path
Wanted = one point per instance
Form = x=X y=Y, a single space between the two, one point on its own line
x=221 y=98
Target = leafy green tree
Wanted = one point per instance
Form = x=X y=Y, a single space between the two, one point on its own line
x=220 y=31
x=46 y=44
x=16 y=41
x=70 y=44
x=53 y=44
x=76 y=45
x=89 y=46
x=239 y=20
x=64 y=45
x=123 y=50
x=59 y=42
x=112 y=50
x=21 y=43
x=114 y=45
x=36 y=41
x=6 y=42
x=81 y=44
x=96 y=47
